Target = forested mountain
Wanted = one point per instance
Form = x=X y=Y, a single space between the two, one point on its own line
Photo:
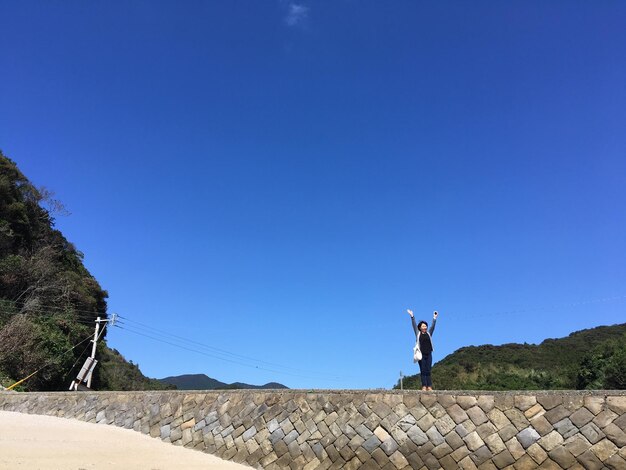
x=48 y=299
x=203 y=382
x=588 y=359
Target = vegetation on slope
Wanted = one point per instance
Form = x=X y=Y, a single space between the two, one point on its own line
x=203 y=382
x=588 y=359
x=48 y=299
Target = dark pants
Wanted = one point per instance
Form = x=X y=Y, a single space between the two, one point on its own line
x=425 y=365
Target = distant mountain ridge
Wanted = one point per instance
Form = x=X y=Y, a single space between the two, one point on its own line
x=204 y=382
x=593 y=358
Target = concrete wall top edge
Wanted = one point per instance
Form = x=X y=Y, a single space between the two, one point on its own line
x=341 y=392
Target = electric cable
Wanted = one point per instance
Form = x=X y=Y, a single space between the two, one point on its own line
x=218 y=357
x=203 y=345
x=48 y=364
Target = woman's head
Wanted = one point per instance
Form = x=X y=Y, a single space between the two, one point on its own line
x=422 y=326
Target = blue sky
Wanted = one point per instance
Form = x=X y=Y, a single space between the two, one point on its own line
x=281 y=180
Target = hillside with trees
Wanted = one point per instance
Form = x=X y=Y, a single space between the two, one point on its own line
x=203 y=382
x=48 y=299
x=588 y=359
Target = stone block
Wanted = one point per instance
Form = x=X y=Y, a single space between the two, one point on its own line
x=238 y=431
x=550 y=401
x=486 y=429
x=615 y=434
x=460 y=453
x=594 y=404
x=473 y=441
x=517 y=418
x=508 y=432
x=485 y=402
x=621 y=422
x=617 y=404
x=495 y=443
x=525 y=463
x=524 y=402
x=380 y=409
x=290 y=437
x=454 y=440
x=346 y=453
x=447 y=463
x=589 y=460
x=371 y=443
x=550 y=441
x=332 y=452
x=441 y=450
x=556 y=414
x=615 y=462
x=504 y=401
x=457 y=413
x=445 y=424
x=466 y=401
x=498 y=418
x=592 y=433
x=604 y=418
x=434 y=436
x=573 y=401
x=363 y=454
x=416 y=435
x=577 y=444
x=426 y=422
x=581 y=417
x=446 y=400
x=415 y=460
x=562 y=456
x=528 y=437
x=604 y=449
x=398 y=460
x=465 y=428
x=481 y=455
x=566 y=428
x=503 y=459
x=515 y=448
x=537 y=453
x=541 y=425
x=467 y=464
x=431 y=462
x=550 y=464
x=428 y=399
x=363 y=431
x=381 y=434
x=535 y=410
x=477 y=415
x=356 y=442
x=380 y=457
x=389 y=446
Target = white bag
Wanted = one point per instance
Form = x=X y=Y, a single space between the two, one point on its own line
x=417 y=354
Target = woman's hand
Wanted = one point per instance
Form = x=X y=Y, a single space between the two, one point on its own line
x=435 y=313
x=410 y=312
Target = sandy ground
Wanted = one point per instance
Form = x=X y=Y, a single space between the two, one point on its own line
x=33 y=442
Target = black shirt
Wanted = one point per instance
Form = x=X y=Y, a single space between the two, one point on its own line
x=426 y=347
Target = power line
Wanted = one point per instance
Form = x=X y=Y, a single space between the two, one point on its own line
x=206 y=346
x=126 y=328
x=48 y=363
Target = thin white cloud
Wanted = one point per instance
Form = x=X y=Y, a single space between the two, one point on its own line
x=296 y=14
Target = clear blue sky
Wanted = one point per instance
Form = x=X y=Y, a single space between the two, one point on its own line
x=281 y=180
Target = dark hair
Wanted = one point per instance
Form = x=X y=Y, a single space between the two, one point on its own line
x=420 y=324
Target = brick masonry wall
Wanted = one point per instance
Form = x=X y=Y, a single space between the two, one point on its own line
x=389 y=430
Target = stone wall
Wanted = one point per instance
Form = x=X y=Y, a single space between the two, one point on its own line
x=365 y=429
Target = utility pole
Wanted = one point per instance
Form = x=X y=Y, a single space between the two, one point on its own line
x=86 y=372
x=401 y=377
